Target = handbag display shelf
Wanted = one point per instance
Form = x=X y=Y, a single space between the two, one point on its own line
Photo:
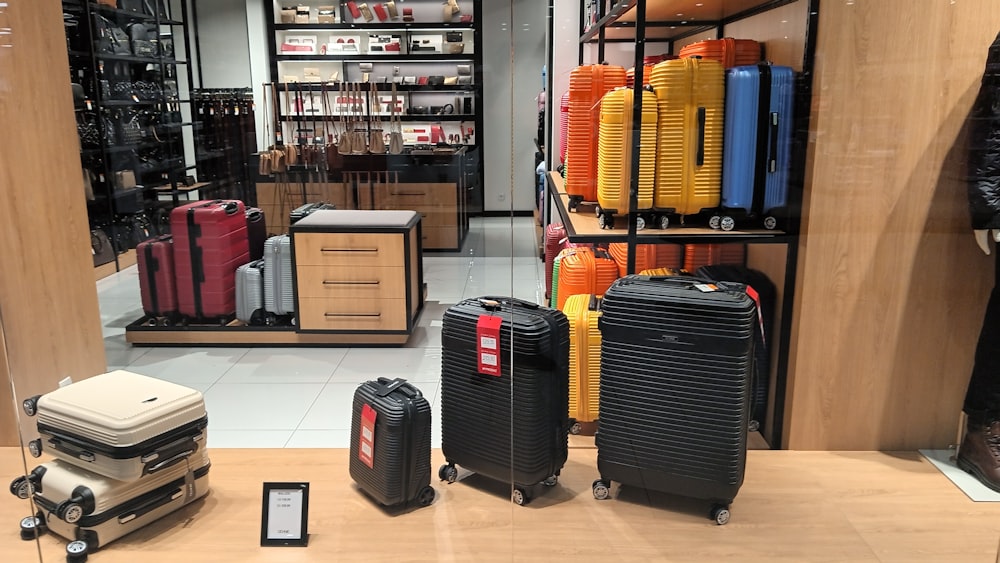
x=129 y=106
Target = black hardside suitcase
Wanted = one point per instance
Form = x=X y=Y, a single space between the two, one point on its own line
x=767 y=295
x=303 y=211
x=480 y=423
x=676 y=357
x=256 y=232
x=391 y=442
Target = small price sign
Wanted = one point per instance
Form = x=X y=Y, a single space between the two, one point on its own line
x=285 y=515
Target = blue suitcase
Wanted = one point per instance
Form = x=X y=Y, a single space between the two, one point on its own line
x=757 y=150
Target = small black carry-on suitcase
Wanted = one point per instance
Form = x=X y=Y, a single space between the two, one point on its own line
x=391 y=442
x=676 y=357
x=479 y=422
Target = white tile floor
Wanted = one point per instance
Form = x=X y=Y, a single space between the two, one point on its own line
x=301 y=397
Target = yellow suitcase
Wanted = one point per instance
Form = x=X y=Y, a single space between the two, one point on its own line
x=584 y=358
x=691 y=97
x=614 y=155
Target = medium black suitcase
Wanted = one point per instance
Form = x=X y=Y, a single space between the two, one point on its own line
x=480 y=424
x=391 y=442
x=676 y=355
x=256 y=232
x=767 y=294
x=303 y=211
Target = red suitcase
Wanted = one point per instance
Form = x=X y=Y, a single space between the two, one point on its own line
x=555 y=234
x=157 y=284
x=210 y=243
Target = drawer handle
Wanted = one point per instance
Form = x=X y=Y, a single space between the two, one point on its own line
x=350 y=249
x=333 y=282
x=410 y=193
x=353 y=314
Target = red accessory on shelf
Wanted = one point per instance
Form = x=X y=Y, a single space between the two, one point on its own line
x=353 y=7
x=381 y=13
x=407 y=14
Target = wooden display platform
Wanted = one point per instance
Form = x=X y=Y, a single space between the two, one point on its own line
x=125 y=260
x=236 y=333
x=794 y=506
x=582 y=226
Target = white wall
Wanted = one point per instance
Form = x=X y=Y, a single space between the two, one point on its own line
x=222 y=29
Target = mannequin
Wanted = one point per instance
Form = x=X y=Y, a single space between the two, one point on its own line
x=979 y=453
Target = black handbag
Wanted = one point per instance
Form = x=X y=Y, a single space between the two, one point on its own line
x=109 y=38
x=435 y=80
x=142 y=229
x=100 y=247
x=88 y=130
x=142 y=40
x=130 y=129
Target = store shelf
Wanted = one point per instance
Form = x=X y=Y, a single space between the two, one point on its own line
x=146 y=60
x=401 y=58
x=383 y=117
x=118 y=15
x=380 y=86
x=361 y=26
x=583 y=227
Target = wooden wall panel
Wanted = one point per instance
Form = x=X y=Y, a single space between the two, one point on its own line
x=891 y=285
x=48 y=299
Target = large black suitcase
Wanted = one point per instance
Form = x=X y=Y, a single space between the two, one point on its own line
x=522 y=405
x=676 y=355
x=391 y=442
x=767 y=295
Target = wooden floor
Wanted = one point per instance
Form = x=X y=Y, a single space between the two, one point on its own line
x=794 y=506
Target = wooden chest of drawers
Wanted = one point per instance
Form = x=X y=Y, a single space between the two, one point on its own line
x=358 y=271
x=278 y=200
x=441 y=206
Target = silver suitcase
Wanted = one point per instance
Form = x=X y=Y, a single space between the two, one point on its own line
x=250 y=293
x=81 y=505
x=120 y=424
x=279 y=285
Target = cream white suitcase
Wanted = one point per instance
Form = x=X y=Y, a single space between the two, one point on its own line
x=81 y=505
x=119 y=424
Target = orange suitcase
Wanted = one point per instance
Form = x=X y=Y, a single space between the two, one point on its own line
x=647 y=256
x=660 y=272
x=584 y=358
x=698 y=255
x=583 y=270
x=730 y=52
x=587 y=85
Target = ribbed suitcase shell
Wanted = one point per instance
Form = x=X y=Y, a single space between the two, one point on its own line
x=614 y=151
x=647 y=256
x=101 y=529
x=587 y=85
x=279 y=281
x=256 y=232
x=250 y=292
x=478 y=428
x=128 y=423
x=758 y=138
x=157 y=284
x=584 y=357
x=554 y=235
x=675 y=374
x=59 y=481
x=563 y=124
x=768 y=295
x=698 y=255
x=728 y=51
x=401 y=459
x=210 y=242
x=687 y=90
x=584 y=270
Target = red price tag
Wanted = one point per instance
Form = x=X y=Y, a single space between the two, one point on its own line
x=366 y=445
x=488 y=344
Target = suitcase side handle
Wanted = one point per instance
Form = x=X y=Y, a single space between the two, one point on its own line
x=772 y=147
x=700 y=157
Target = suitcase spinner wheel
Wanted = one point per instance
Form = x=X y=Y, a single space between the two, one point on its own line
x=33 y=527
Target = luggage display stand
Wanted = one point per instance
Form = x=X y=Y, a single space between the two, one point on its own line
x=655 y=26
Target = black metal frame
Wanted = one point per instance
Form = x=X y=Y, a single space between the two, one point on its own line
x=790 y=237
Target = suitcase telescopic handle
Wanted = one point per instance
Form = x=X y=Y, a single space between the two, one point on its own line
x=387 y=386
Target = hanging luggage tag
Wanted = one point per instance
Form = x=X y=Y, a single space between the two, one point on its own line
x=366 y=445
x=488 y=344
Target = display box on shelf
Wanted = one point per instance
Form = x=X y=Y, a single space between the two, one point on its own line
x=379 y=44
x=299 y=45
x=344 y=45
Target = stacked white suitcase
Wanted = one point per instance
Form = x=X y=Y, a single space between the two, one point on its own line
x=265 y=289
x=128 y=449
